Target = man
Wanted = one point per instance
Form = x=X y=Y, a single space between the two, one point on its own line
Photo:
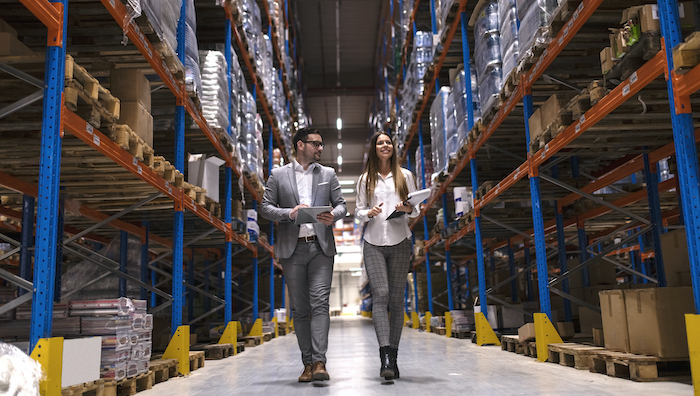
x=306 y=251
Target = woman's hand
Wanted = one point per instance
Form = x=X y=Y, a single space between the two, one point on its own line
x=375 y=210
x=404 y=207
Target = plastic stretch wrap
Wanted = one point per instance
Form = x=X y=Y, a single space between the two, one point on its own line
x=140 y=306
x=193 y=81
x=132 y=368
x=114 y=372
x=424 y=165
x=490 y=88
x=476 y=102
x=112 y=356
x=215 y=93
x=164 y=16
x=487 y=21
x=105 y=307
x=459 y=95
x=525 y=6
x=509 y=29
x=510 y=58
x=504 y=7
x=442 y=127
x=487 y=53
x=105 y=325
x=19 y=373
x=142 y=366
x=533 y=27
x=118 y=341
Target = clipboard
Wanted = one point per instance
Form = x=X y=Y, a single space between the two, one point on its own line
x=414 y=199
x=308 y=215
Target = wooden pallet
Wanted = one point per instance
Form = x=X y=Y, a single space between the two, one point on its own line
x=461 y=334
x=214 y=351
x=510 y=83
x=511 y=343
x=92 y=388
x=647 y=47
x=164 y=369
x=562 y=14
x=686 y=55
x=130 y=386
x=640 y=368
x=597 y=91
x=196 y=360
x=484 y=188
x=85 y=96
x=240 y=346
x=268 y=336
x=572 y=354
x=168 y=172
x=127 y=139
x=439 y=330
x=488 y=116
x=196 y=193
x=252 y=341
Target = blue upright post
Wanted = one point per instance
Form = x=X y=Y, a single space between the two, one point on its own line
x=405 y=298
x=26 y=240
x=537 y=222
x=633 y=261
x=144 y=257
x=154 y=282
x=528 y=274
x=686 y=150
x=511 y=266
x=433 y=19
x=190 y=293
x=48 y=191
x=563 y=267
x=123 y=252
x=583 y=254
x=59 y=246
x=283 y=303
x=179 y=215
x=651 y=179
x=448 y=258
x=643 y=263
x=426 y=234
x=228 y=192
x=256 y=274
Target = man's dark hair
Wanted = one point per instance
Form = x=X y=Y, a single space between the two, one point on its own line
x=302 y=135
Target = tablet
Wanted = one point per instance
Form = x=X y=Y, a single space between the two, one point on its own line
x=308 y=215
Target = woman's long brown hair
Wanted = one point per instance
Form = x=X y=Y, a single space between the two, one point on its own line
x=371 y=171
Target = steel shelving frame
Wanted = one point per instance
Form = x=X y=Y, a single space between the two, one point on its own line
x=685 y=138
x=57 y=119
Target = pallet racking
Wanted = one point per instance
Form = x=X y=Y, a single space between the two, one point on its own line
x=597 y=145
x=110 y=193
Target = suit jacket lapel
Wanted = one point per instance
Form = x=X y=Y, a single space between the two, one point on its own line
x=314 y=185
x=293 y=178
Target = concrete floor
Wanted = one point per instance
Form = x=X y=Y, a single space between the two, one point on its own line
x=428 y=363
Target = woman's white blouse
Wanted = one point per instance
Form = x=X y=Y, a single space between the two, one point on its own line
x=380 y=231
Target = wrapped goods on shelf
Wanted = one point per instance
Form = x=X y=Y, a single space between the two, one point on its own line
x=534 y=19
x=459 y=96
x=505 y=7
x=114 y=372
x=476 y=102
x=487 y=21
x=105 y=325
x=491 y=83
x=163 y=16
x=487 y=53
x=442 y=128
x=21 y=374
x=510 y=46
x=464 y=200
x=424 y=166
x=193 y=82
x=451 y=132
x=107 y=307
x=215 y=92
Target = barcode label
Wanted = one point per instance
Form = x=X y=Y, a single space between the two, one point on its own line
x=89 y=128
x=139 y=169
x=582 y=119
x=96 y=140
x=633 y=78
x=578 y=128
x=134 y=161
x=625 y=90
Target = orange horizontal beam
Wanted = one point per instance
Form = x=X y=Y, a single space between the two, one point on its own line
x=46 y=12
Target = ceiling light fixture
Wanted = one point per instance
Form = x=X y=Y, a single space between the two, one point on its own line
x=340 y=160
x=339 y=123
x=340 y=146
x=346 y=182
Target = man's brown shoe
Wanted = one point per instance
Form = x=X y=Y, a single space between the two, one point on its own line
x=307 y=375
x=320 y=373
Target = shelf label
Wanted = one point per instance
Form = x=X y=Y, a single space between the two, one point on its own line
x=582 y=119
x=546 y=147
x=580 y=7
x=625 y=90
x=139 y=169
x=96 y=140
x=578 y=128
x=111 y=2
x=633 y=78
x=89 y=128
x=543 y=155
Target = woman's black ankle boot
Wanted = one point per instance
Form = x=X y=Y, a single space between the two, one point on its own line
x=385 y=355
x=394 y=353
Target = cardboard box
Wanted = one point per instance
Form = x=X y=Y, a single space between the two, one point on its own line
x=607 y=60
x=204 y=172
x=656 y=319
x=614 y=314
x=549 y=112
x=139 y=119
x=589 y=320
x=649 y=18
x=598 y=337
x=11 y=46
x=566 y=330
x=130 y=85
x=526 y=332
x=535 y=124
x=237 y=209
x=5 y=28
x=193 y=339
x=674 y=249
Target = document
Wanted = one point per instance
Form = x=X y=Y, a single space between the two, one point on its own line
x=414 y=199
x=308 y=215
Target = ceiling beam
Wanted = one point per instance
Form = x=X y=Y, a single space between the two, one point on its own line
x=340 y=91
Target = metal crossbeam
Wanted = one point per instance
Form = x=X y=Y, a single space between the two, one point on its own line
x=204 y=315
x=574 y=299
x=16 y=302
x=22 y=103
x=84 y=285
x=595 y=199
x=22 y=75
x=167 y=254
x=514 y=230
x=114 y=216
x=161 y=307
x=187 y=285
x=509 y=305
x=16 y=280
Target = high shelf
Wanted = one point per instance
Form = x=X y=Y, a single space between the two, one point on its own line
x=104 y=190
x=595 y=183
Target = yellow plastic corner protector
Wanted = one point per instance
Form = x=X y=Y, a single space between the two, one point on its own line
x=448 y=324
x=428 y=315
x=230 y=336
x=416 y=320
x=484 y=333
x=545 y=334
x=692 y=326
x=179 y=348
x=277 y=334
x=49 y=353
x=257 y=330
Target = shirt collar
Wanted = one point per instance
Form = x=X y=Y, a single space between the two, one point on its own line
x=298 y=168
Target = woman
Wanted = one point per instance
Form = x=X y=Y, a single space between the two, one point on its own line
x=382 y=189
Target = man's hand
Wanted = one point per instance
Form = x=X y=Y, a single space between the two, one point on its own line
x=375 y=210
x=293 y=214
x=404 y=207
x=325 y=218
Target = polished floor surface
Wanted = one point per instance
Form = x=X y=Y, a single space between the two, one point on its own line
x=428 y=363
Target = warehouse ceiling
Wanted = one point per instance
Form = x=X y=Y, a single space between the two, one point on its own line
x=339 y=48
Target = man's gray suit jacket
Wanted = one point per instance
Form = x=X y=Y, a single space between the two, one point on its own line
x=281 y=196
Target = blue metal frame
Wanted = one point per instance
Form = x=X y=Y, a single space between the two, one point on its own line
x=528 y=274
x=207 y=283
x=686 y=151
x=433 y=19
x=652 y=181
x=123 y=256
x=48 y=191
x=228 y=187
x=144 y=257
x=26 y=240
x=59 y=246
x=426 y=234
x=537 y=222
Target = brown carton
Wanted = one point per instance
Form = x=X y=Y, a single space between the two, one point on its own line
x=11 y=46
x=606 y=60
x=139 y=119
x=526 y=332
x=598 y=337
x=589 y=320
x=566 y=330
x=656 y=319
x=676 y=264
x=612 y=307
x=649 y=18
x=130 y=85
x=549 y=112
x=4 y=27
x=535 y=124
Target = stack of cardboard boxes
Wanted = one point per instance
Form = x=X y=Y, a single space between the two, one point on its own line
x=10 y=45
x=134 y=90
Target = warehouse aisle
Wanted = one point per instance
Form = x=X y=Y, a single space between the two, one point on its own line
x=428 y=363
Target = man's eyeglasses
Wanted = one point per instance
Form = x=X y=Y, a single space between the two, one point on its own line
x=315 y=143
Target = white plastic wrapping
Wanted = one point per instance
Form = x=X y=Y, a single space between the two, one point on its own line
x=215 y=92
x=490 y=86
x=534 y=22
x=487 y=53
x=164 y=16
x=442 y=128
x=19 y=374
x=487 y=21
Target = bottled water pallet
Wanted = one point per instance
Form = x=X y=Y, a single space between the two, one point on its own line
x=640 y=368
